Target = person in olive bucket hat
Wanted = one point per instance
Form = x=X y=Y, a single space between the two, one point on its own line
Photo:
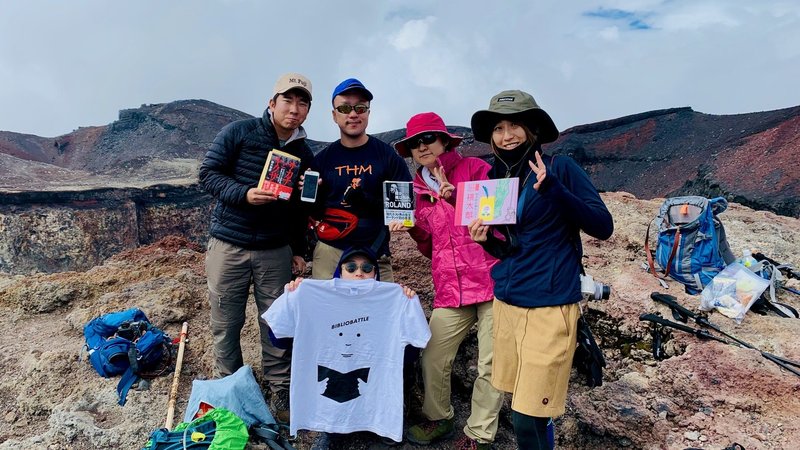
x=537 y=283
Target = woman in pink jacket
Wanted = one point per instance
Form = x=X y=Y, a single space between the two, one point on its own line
x=462 y=282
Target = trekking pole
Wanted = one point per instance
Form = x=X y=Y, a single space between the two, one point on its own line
x=173 y=393
x=672 y=303
x=704 y=334
x=703 y=322
x=792 y=290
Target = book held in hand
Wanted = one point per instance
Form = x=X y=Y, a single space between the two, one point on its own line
x=280 y=174
x=398 y=202
x=493 y=201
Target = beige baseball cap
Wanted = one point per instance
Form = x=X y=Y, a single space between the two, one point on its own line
x=292 y=80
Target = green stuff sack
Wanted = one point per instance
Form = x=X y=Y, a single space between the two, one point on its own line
x=218 y=429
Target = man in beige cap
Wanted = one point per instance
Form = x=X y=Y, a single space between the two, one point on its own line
x=255 y=238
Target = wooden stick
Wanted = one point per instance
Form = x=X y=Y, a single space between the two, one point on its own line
x=173 y=393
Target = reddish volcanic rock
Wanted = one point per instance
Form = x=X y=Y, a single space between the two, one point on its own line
x=747 y=158
x=705 y=394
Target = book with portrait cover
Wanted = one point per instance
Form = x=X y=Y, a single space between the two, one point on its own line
x=280 y=174
x=398 y=202
x=493 y=201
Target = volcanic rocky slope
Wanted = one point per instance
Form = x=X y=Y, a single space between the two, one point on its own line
x=747 y=158
x=71 y=201
x=703 y=395
x=86 y=203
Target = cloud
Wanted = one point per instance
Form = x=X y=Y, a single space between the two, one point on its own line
x=696 y=16
x=583 y=61
x=632 y=19
x=610 y=33
x=412 y=34
x=613 y=14
x=567 y=70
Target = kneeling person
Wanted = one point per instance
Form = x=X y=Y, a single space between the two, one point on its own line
x=349 y=339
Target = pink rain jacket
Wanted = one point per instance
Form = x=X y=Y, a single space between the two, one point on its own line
x=461 y=268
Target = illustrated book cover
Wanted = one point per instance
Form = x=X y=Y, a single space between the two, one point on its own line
x=280 y=174
x=493 y=201
x=398 y=202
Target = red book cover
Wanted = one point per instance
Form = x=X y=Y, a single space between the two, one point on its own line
x=280 y=174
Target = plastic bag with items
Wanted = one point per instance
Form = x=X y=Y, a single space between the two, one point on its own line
x=733 y=291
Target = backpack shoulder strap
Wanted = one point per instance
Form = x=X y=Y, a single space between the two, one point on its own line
x=124 y=385
x=376 y=245
x=672 y=252
x=270 y=434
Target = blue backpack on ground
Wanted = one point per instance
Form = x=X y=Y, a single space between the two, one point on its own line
x=692 y=247
x=125 y=343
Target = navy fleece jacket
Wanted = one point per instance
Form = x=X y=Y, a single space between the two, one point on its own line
x=540 y=260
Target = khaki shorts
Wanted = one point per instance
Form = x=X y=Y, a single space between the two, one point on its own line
x=533 y=350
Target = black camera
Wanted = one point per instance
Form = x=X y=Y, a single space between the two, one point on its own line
x=593 y=290
x=131 y=330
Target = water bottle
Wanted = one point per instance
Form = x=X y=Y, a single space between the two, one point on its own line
x=747 y=259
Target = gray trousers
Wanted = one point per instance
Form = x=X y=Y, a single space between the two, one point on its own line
x=230 y=271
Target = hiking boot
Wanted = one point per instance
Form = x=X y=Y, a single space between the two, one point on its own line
x=322 y=442
x=279 y=404
x=467 y=443
x=388 y=442
x=433 y=430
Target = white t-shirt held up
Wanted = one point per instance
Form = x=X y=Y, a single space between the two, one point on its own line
x=347 y=360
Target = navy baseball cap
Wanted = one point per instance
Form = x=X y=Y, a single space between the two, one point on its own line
x=349 y=85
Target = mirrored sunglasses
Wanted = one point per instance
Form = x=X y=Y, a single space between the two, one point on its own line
x=416 y=141
x=351 y=267
x=345 y=109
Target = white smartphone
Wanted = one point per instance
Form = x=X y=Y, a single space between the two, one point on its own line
x=309 y=192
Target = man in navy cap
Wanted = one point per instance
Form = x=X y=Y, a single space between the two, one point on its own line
x=352 y=171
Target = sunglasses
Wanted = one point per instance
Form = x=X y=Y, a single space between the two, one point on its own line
x=346 y=109
x=351 y=267
x=416 y=141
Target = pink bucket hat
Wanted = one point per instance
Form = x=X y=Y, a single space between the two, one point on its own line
x=422 y=123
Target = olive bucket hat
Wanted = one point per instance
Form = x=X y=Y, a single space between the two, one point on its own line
x=516 y=106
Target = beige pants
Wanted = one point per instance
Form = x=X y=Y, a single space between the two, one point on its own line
x=230 y=271
x=533 y=350
x=326 y=257
x=449 y=327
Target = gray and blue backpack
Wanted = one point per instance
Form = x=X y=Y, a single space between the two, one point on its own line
x=692 y=247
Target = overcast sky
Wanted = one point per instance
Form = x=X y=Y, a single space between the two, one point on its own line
x=65 y=64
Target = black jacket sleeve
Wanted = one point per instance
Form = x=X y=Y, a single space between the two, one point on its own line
x=216 y=171
x=497 y=247
x=577 y=197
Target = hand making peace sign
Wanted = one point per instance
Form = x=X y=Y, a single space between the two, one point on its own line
x=539 y=169
x=445 y=188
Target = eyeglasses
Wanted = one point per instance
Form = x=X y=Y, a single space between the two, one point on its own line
x=346 y=109
x=351 y=267
x=416 y=141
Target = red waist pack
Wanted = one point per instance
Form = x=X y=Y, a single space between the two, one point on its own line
x=335 y=224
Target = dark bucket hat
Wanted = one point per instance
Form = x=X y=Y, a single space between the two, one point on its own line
x=516 y=106
x=351 y=253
